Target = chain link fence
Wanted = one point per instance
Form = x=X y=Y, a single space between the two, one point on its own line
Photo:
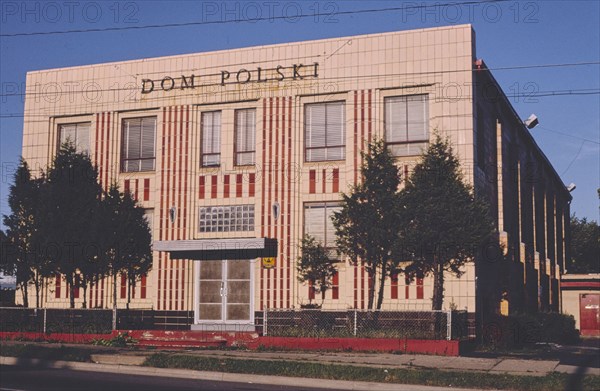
x=431 y=325
x=91 y=320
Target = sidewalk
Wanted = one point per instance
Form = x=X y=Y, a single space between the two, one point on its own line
x=499 y=365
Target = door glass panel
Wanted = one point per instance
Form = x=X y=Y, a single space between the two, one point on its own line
x=210 y=291
x=224 y=290
x=210 y=311
x=238 y=292
x=211 y=270
x=238 y=311
x=238 y=270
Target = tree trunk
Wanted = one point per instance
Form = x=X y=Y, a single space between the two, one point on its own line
x=72 y=291
x=25 y=294
x=381 y=285
x=36 y=281
x=114 y=289
x=129 y=293
x=438 y=287
x=85 y=286
x=372 y=276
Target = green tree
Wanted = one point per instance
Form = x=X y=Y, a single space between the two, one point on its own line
x=71 y=200
x=585 y=246
x=21 y=258
x=445 y=224
x=125 y=239
x=367 y=225
x=314 y=266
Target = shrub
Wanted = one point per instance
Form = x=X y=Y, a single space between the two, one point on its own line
x=518 y=330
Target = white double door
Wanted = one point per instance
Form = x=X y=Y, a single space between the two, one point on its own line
x=224 y=293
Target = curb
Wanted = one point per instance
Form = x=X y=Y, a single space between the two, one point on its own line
x=220 y=376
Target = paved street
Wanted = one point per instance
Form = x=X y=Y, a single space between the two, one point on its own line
x=13 y=378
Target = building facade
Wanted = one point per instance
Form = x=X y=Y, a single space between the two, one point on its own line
x=236 y=154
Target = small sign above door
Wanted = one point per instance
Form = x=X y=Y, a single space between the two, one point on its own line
x=268 y=262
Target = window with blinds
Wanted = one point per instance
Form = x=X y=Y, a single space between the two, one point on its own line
x=325 y=134
x=139 y=146
x=211 y=138
x=245 y=137
x=407 y=124
x=318 y=223
x=77 y=134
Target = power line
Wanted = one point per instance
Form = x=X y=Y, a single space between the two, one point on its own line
x=251 y=20
x=569 y=135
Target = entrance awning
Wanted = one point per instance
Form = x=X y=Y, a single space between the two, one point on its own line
x=216 y=249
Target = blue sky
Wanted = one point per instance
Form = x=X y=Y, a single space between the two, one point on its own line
x=509 y=34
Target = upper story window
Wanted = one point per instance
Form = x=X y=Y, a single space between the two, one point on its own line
x=325 y=134
x=407 y=124
x=318 y=223
x=245 y=137
x=78 y=134
x=139 y=146
x=211 y=138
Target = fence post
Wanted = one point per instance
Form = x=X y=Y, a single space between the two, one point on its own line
x=44 y=320
x=265 y=322
x=355 y=322
x=449 y=325
x=114 y=319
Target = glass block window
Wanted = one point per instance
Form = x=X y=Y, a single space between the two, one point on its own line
x=407 y=124
x=229 y=218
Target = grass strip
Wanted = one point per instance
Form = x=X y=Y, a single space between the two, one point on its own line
x=430 y=377
x=51 y=353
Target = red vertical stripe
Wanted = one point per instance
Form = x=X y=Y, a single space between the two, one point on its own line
x=252 y=185
x=262 y=207
x=101 y=157
x=57 y=287
x=355 y=137
x=127 y=186
x=143 y=287
x=311 y=291
x=269 y=202
x=289 y=195
x=370 y=117
x=283 y=220
x=123 y=286
x=419 y=288
x=362 y=120
x=226 y=186
x=336 y=180
x=355 y=286
x=394 y=286
x=201 y=188
x=213 y=187
x=335 y=289
x=324 y=181
x=107 y=154
x=146 y=189
x=96 y=140
x=135 y=195
x=407 y=288
x=238 y=185
x=312 y=181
